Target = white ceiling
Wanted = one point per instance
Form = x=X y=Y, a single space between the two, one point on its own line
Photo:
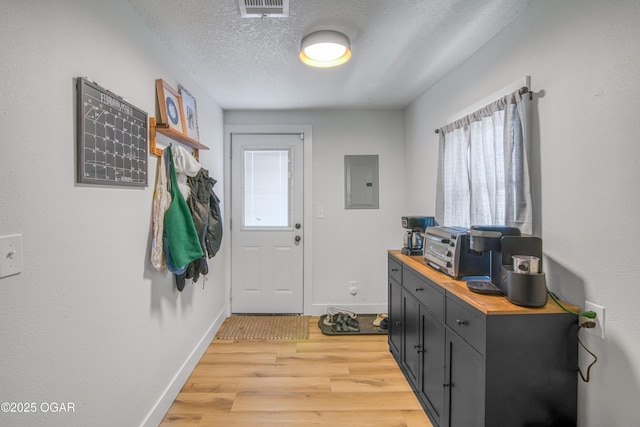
x=400 y=48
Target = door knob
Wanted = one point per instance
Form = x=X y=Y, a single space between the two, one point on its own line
x=298 y=239
x=298 y=226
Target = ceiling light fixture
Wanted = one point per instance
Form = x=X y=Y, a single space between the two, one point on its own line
x=325 y=48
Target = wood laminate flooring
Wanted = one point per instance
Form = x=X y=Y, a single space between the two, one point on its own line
x=323 y=381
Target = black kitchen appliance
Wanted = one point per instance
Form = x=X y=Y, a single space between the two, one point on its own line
x=508 y=247
x=415 y=225
x=447 y=249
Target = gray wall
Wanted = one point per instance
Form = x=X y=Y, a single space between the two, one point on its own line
x=584 y=61
x=348 y=245
x=89 y=321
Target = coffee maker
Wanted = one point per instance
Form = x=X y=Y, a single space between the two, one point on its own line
x=515 y=264
x=412 y=242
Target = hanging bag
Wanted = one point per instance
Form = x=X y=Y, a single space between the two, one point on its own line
x=161 y=202
x=180 y=232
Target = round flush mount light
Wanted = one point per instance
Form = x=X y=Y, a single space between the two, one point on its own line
x=325 y=48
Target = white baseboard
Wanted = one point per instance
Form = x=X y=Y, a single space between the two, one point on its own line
x=159 y=410
x=320 y=309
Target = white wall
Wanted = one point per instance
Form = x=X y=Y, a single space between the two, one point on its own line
x=89 y=321
x=584 y=61
x=348 y=245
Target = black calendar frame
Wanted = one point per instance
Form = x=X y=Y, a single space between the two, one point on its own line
x=112 y=138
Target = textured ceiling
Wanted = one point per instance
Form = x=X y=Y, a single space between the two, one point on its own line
x=400 y=48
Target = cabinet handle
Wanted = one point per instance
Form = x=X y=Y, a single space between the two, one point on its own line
x=419 y=289
x=445 y=385
x=461 y=322
x=397 y=323
x=418 y=348
x=394 y=269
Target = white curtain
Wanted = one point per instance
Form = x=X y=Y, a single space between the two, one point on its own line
x=483 y=169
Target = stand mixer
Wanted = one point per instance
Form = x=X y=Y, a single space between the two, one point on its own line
x=412 y=242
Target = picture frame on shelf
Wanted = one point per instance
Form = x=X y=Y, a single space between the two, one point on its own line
x=170 y=103
x=189 y=114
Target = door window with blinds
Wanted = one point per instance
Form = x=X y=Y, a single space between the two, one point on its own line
x=267 y=189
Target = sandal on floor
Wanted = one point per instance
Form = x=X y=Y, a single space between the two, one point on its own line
x=380 y=318
x=336 y=310
x=384 y=324
x=328 y=320
x=351 y=325
x=342 y=322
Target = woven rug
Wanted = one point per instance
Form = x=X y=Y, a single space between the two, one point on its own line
x=264 y=328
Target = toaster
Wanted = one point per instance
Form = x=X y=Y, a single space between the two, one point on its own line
x=447 y=249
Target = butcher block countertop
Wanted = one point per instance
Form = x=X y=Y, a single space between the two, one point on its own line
x=487 y=304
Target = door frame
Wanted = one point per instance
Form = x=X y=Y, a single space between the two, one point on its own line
x=307 y=204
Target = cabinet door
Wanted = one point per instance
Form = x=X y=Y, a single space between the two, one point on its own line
x=464 y=384
x=411 y=337
x=395 y=317
x=433 y=357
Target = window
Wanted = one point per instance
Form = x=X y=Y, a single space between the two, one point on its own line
x=483 y=170
x=266 y=188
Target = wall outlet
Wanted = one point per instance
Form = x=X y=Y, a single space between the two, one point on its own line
x=353 y=288
x=320 y=212
x=599 y=310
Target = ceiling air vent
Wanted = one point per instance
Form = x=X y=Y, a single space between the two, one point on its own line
x=264 y=8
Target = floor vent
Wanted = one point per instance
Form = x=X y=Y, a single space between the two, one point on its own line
x=264 y=8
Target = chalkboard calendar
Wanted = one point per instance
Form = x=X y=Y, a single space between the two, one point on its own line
x=112 y=138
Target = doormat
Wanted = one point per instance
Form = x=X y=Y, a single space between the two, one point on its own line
x=365 y=323
x=240 y=327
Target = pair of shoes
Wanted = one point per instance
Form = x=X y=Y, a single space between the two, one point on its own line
x=379 y=318
x=342 y=322
x=336 y=310
x=332 y=319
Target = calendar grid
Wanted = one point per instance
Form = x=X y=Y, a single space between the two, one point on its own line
x=112 y=138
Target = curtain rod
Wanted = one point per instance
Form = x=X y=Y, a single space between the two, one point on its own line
x=522 y=91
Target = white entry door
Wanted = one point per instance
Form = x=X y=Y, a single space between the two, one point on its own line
x=266 y=224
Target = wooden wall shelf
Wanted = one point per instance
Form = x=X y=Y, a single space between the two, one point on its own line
x=164 y=129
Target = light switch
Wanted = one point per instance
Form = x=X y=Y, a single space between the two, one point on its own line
x=320 y=212
x=10 y=255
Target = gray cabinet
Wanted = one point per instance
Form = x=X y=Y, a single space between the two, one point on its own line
x=432 y=376
x=418 y=324
x=463 y=385
x=500 y=367
x=395 y=307
x=410 y=354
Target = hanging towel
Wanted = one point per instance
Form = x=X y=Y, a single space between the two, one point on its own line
x=161 y=202
x=179 y=229
x=186 y=166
